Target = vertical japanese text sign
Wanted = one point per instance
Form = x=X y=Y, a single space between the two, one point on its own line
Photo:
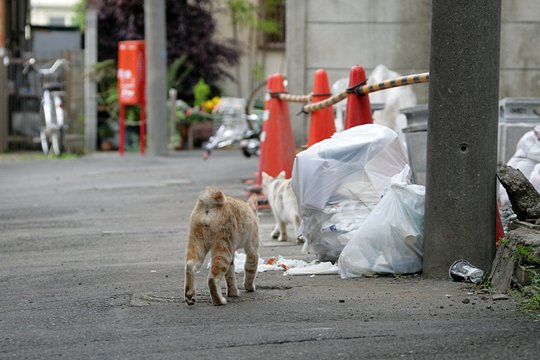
x=131 y=85
x=131 y=72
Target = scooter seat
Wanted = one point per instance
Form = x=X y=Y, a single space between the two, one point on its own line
x=53 y=86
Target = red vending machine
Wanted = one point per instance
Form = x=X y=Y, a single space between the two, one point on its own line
x=131 y=86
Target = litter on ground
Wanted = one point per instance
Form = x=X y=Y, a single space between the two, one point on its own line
x=291 y=267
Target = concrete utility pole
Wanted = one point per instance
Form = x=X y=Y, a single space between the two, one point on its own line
x=3 y=80
x=462 y=134
x=297 y=62
x=156 y=75
x=90 y=86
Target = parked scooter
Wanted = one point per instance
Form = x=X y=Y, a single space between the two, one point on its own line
x=251 y=143
x=234 y=126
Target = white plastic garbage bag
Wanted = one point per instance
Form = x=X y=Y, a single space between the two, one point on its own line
x=393 y=99
x=534 y=178
x=339 y=109
x=526 y=159
x=338 y=181
x=527 y=153
x=391 y=238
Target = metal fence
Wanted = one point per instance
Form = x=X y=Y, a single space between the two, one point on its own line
x=23 y=95
x=23 y=102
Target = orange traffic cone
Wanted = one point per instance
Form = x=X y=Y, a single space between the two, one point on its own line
x=277 y=142
x=358 y=108
x=322 y=124
x=262 y=137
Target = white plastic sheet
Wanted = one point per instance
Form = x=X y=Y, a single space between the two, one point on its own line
x=338 y=181
x=275 y=263
x=324 y=268
x=527 y=160
x=390 y=241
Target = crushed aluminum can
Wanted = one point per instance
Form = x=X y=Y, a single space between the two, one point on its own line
x=462 y=270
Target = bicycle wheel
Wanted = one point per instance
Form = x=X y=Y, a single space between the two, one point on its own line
x=43 y=136
x=253 y=97
x=57 y=141
x=51 y=139
x=58 y=133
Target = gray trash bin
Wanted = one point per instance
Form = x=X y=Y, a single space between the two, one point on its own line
x=416 y=138
x=516 y=117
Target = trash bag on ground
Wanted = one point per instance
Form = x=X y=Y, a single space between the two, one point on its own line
x=526 y=159
x=390 y=240
x=338 y=181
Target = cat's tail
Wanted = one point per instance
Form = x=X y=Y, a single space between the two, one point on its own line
x=212 y=196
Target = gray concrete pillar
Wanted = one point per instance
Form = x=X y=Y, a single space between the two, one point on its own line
x=296 y=49
x=3 y=81
x=462 y=134
x=4 y=113
x=90 y=86
x=156 y=76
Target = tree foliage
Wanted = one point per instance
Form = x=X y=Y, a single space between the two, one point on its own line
x=190 y=33
x=246 y=13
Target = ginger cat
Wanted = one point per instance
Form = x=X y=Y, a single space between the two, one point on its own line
x=221 y=224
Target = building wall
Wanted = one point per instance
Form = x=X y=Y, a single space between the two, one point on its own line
x=337 y=34
x=268 y=61
x=520 y=49
x=52 y=12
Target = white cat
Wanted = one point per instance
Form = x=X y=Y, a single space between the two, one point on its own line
x=282 y=201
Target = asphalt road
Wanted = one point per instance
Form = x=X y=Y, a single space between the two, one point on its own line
x=91 y=267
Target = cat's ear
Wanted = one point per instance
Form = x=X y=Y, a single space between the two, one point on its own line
x=253 y=203
x=281 y=175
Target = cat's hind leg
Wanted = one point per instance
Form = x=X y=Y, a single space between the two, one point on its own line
x=275 y=232
x=250 y=270
x=230 y=277
x=222 y=257
x=282 y=231
x=297 y=223
x=195 y=254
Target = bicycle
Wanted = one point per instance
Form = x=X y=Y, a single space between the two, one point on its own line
x=53 y=127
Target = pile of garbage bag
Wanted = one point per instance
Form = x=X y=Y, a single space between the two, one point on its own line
x=527 y=160
x=391 y=239
x=339 y=181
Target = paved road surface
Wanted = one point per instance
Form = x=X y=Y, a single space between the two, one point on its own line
x=91 y=267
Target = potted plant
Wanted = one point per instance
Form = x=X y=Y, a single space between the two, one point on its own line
x=195 y=124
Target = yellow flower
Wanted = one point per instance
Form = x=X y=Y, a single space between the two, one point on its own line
x=209 y=105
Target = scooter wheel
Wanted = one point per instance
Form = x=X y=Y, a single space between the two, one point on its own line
x=246 y=152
